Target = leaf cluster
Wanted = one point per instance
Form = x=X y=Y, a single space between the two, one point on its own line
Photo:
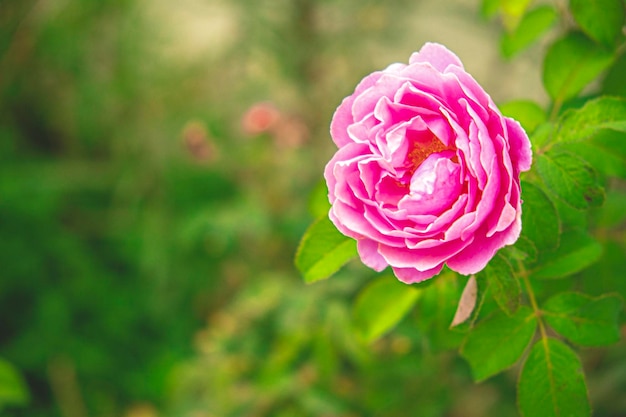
x=560 y=286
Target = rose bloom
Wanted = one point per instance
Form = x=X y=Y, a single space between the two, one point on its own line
x=427 y=170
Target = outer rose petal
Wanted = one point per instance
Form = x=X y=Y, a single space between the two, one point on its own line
x=427 y=171
x=436 y=55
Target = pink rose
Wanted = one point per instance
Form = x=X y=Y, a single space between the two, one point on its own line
x=427 y=170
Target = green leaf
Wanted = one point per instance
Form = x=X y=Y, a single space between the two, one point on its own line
x=497 y=342
x=323 y=250
x=613 y=83
x=318 y=200
x=530 y=28
x=571 y=63
x=583 y=319
x=606 y=152
x=570 y=178
x=503 y=284
x=489 y=8
x=522 y=250
x=540 y=220
x=596 y=115
x=552 y=382
x=381 y=305
x=437 y=308
x=13 y=390
x=528 y=113
x=542 y=135
x=577 y=251
x=512 y=12
x=602 y=20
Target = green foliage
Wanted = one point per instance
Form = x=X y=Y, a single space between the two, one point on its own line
x=552 y=382
x=604 y=113
x=498 y=342
x=571 y=63
x=602 y=20
x=381 y=305
x=503 y=284
x=532 y=25
x=146 y=231
x=323 y=251
x=579 y=146
x=541 y=221
x=13 y=390
x=527 y=112
x=576 y=252
x=584 y=320
x=570 y=178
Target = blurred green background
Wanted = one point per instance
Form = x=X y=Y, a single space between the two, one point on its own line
x=156 y=160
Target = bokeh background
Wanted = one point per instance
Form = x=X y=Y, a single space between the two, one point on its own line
x=156 y=162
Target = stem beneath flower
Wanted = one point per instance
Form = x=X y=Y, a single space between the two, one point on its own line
x=533 y=300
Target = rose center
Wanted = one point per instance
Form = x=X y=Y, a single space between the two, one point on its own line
x=420 y=150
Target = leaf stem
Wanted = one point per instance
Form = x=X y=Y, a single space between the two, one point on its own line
x=533 y=300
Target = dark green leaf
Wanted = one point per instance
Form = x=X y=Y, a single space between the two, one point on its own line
x=503 y=284
x=13 y=390
x=540 y=220
x=596 y=115
x=571 y=178
x=497 y=342
x=612 y=213
x=584 y=320
x=530 y=28
x=606 y=152
x=437 y=308
x=576 y=252
x=613 y=83
x=602 y=20
x=552 y=383
x=381 y=305
x=323 y=250
x=528 y=113
x=571 y=63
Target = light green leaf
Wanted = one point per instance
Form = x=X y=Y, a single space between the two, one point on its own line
x=13 y=390
x=602 y=20
x=489 y=8
x=497 y=342
x=503 y=284
x=381 y=305
x=576 y=252
x=528 y=113
x=323 y=250
x=318 y=200
x=571 y=63
x=570 y=178
x=552 y=383
x=540 y=220
x=583 y=319
x=530 y=28
x=522 y=250
x=512 y=12
x=596 y=115
x=542 y=135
